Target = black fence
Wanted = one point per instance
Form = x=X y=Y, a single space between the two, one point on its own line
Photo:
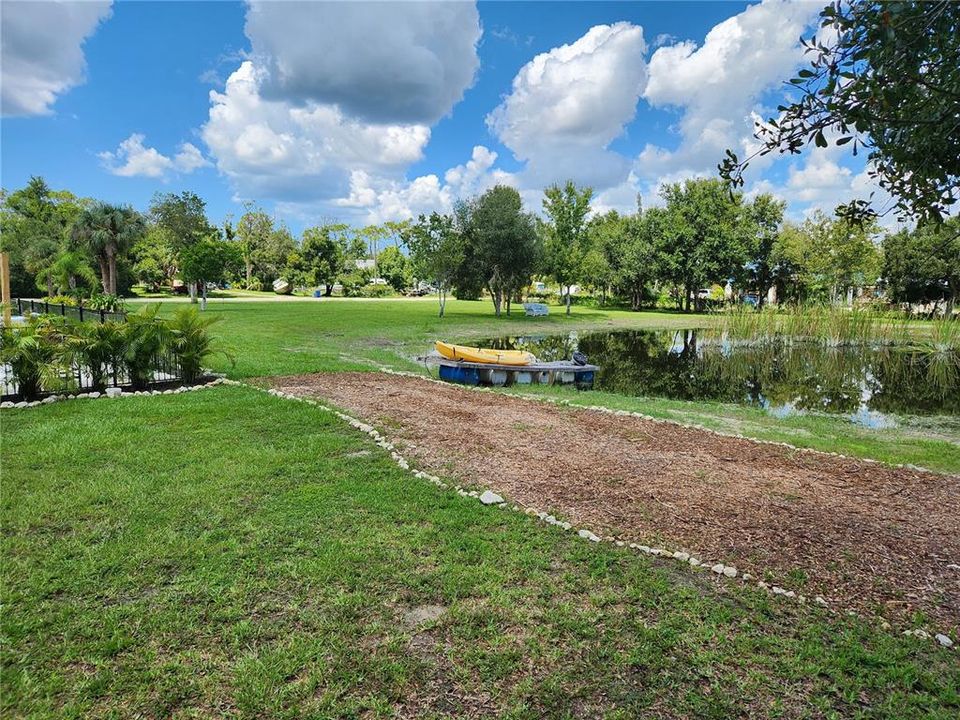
x=27 y=306
x=165 y=372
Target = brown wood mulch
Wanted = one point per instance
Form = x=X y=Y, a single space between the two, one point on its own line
x=864 y=536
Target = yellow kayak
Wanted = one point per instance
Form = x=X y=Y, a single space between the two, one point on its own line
x=485 y=355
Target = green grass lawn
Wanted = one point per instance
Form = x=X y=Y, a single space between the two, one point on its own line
x=226 y=553
x=281 y=338
x=285 y=337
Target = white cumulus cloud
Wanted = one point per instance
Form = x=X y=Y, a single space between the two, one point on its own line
x=567 y=105
x=134 y=159
x=718 y=85
x=336 y=100
x=42 y=51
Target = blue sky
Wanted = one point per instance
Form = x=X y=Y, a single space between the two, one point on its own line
x=368 y=112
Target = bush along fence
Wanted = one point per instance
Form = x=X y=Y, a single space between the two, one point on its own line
x=68 y=308
x=49 y=355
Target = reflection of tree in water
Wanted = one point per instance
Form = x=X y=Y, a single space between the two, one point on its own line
x=686 y=365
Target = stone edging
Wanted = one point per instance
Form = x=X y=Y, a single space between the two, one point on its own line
x=488 y=497
x=112 y=392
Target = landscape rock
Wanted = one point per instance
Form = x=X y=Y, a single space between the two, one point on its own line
x=681 y=556
x=730 y=571
x=587 y=535
x=718 y=568
x=115 y=392
x=944 y=640
x=490 y=498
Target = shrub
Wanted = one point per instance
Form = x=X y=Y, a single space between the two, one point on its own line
x=110 y=303
x=34 y=353
x=190 y=342
x=99 y=347
x=145 y=335
x=375 y=291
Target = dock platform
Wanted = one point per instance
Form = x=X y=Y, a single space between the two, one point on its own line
x=562 y=372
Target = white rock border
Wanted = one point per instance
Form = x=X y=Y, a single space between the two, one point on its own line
x=489 y=497
x=111 y=393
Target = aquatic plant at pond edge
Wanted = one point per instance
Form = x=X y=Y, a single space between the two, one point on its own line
x=829 y=325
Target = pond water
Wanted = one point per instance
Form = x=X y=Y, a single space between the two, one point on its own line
x=868 y=384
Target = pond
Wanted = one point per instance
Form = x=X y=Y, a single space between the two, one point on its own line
x=870 y=384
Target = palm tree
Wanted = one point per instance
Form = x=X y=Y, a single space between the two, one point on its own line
x=107 y=231
x=68 y=269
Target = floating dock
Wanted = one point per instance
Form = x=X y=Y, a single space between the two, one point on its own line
x=563 y=372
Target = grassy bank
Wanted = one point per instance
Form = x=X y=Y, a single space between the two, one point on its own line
x=227 y=553
x=281 y=338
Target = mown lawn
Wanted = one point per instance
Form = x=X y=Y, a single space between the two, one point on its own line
x=227 y=553
x=286 y=337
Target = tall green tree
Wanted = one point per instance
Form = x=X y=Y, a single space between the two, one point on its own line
x=704 y=239
x=505 y=241
x=565 y=234
x=395 y=268
x=184 y=217
x=34 y=228
x=208 y=260
x=923 y=265
x=323 y=249
x=107 y=232
x=252 y=236
x=436 y=251
x=885 y=77
x=765 y=216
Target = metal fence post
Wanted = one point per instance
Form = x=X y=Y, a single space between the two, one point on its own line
x=80 y=308
x=103 y=316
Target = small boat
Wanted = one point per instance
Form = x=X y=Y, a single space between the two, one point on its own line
x=484 y=355
x=282 y=287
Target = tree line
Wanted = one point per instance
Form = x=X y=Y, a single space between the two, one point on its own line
x=72 y=247
x=700 y=235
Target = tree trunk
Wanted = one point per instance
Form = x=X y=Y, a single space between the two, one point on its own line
x=203 y=296
x=104 y=274
x=328 y=291
x=509 y=298
x=112 y=267
x=249 y=274
x=443 y=300
x=193 y=292
x=49 y=285
x=686 y=298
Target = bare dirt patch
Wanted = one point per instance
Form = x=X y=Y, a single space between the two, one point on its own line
x=862 y=535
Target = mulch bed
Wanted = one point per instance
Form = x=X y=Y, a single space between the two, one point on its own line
x=862 y=535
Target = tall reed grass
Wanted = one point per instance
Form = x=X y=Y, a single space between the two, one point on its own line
x=837 y=326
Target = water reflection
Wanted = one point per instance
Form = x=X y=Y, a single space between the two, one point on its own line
x=866 y=383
